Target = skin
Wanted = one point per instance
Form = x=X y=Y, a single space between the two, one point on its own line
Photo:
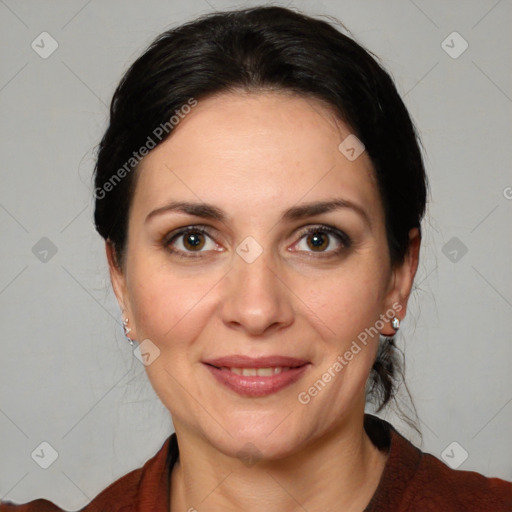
x=254 y=155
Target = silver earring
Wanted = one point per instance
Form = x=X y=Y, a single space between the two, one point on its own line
x=127 y=330
x=395 y=323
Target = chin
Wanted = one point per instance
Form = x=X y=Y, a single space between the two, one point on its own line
x=257 y=443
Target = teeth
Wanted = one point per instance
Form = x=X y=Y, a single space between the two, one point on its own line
x=260 y=372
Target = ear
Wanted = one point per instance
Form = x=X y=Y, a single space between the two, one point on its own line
x=402 y=281
x=118 y=280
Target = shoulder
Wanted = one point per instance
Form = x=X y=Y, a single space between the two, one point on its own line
x=118 y=497
x=413 y=480
x=144 y=488
x=32 y=506
x=437 y=485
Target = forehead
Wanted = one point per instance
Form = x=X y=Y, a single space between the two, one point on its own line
x=256 y=149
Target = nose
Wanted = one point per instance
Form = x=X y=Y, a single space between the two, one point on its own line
x=256 y=300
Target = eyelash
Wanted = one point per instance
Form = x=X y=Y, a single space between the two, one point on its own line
x=342 y=237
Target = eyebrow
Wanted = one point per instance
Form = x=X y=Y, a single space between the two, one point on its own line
x=209 y=211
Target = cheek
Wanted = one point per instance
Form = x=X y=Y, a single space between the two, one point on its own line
x=346 y=302
x=169 y=307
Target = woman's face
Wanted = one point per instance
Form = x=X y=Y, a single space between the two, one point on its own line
x=272 y=273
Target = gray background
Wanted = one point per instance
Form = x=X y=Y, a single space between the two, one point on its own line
x=67 y=375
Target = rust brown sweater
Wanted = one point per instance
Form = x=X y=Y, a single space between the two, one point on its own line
x=411 y=481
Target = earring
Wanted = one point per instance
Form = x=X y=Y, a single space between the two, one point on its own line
x=127 y=330
x=395 y=323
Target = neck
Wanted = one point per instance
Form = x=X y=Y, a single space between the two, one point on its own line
x=340 y=470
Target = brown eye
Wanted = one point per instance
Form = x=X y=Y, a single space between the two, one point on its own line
x=190 y=242
x=318 y=241
x=193 y=240
x=323 y=240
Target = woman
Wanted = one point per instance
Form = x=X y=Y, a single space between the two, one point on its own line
x=260 y=189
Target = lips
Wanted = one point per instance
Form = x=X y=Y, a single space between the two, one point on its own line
x=260 y=376
x=239 y=361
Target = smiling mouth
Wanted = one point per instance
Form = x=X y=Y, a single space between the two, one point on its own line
x=258 y=380
x=256 y=372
